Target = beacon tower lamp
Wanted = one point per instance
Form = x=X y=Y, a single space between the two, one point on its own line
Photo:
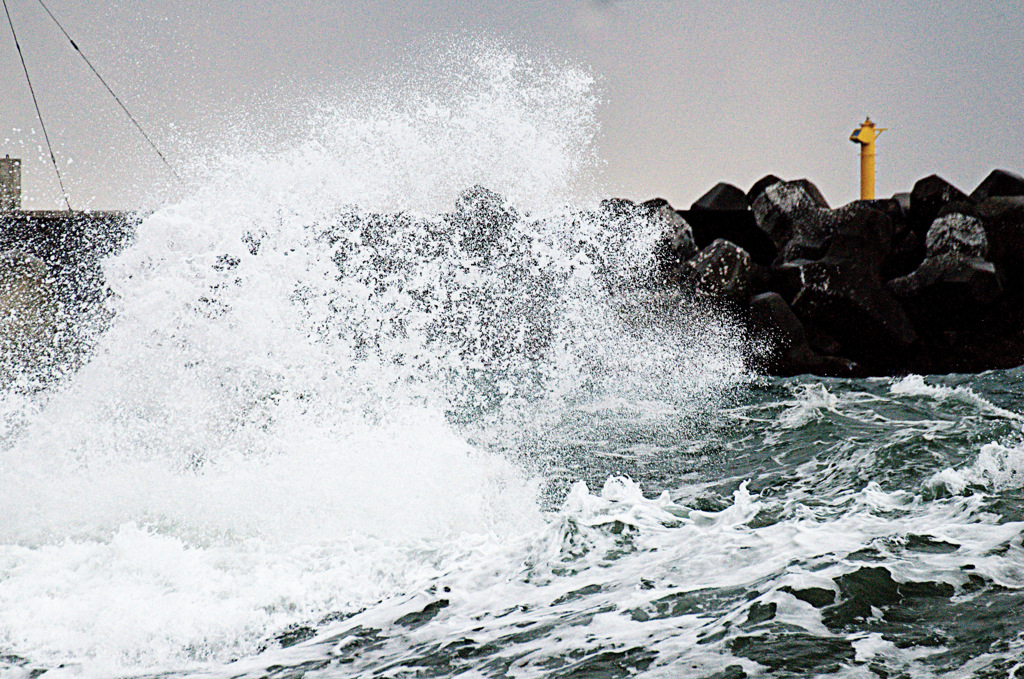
x=865 y=135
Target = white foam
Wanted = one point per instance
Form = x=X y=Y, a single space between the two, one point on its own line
x=607 y=573
x=914 y=385
x=996 y=468
x=260 y=436
x=812 y=402
x=134 y=564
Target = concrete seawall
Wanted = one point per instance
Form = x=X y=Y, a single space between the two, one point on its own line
x=51 y=288
x=62 y=238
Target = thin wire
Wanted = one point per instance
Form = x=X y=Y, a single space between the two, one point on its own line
x=116 y=98
x=35 y=101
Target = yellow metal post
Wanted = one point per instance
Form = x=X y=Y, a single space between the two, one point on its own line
x=865 y=135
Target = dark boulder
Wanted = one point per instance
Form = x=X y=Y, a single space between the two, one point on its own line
x=948 y=290
x=907 y=249
x=954 y=283
x=737 y=226
x=479 y=201
x=759 y=186
x=907 y=254
x=860 y=232
x=1003 y=218
x=723 y=212
x=850 y=304
x=675 y=245
x=893 y=209
x=617 y=207
x=483 y=217
x=928 y=198
x=787 y=278
x=999 y=183
x=782 y=206
x=722 y=196
x=813 y=231
x=822 y=342
x=725 y=271
x=655 y=204
x=813 y=191
x=843 y=293
x=969 y=305
x=903 y=198
x=959 y=207
x=999 y=207
x=784 y=344
x=956 y=233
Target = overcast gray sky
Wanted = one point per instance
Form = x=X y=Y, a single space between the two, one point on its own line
x=692 y=93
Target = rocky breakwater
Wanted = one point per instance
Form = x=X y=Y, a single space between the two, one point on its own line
x=930 y=281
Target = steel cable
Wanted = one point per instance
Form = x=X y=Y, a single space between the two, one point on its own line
x=35 y=101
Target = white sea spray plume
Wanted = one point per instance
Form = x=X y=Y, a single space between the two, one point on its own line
x=270 y=430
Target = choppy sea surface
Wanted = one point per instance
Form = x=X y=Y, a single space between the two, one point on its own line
x=334 y=421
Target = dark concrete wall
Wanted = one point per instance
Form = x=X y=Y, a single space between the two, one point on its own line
x=65 y=239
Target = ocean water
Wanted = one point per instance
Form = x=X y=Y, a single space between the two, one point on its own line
x=329 y=428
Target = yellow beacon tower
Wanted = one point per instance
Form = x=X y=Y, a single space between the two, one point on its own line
x=865 y=135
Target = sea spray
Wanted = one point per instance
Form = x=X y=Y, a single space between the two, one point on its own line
x=323 y=381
